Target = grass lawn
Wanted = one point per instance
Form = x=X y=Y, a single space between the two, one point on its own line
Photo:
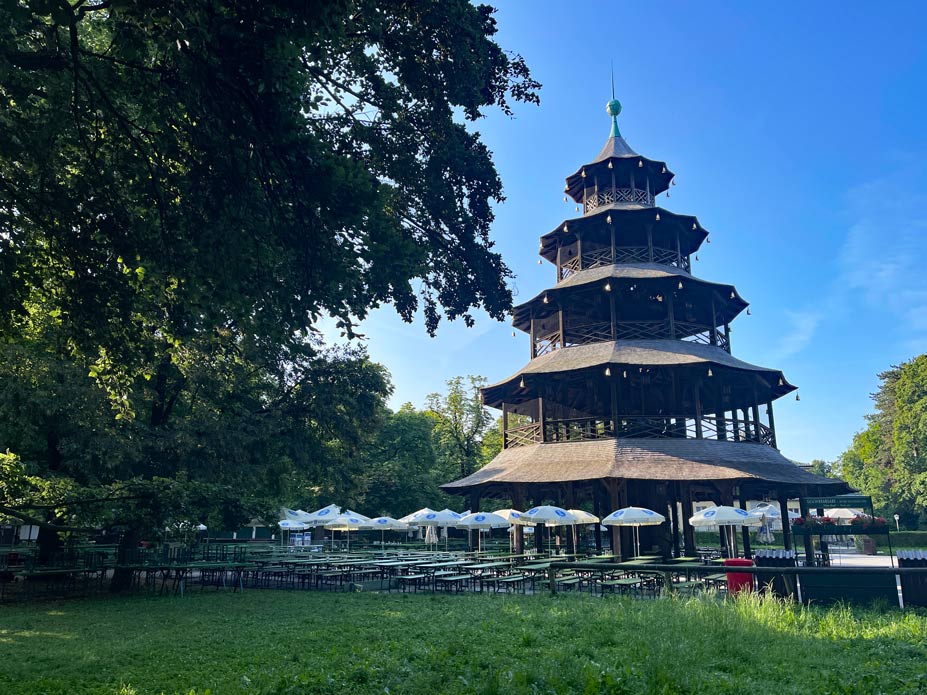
x=264 y=642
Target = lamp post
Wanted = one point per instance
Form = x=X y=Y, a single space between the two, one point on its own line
x=897 y=527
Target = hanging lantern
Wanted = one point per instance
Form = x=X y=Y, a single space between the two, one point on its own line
x=608 y=287
x=748 y=313
x=732 y=294
x=664 y=170
x=521 y=384
x=546 y=300
x=583 y=173
x=624 y=373
x=577 y=208
x=540 y=262
x=640 y=164
x=610 y=166
x=658 y=217
x=608 y=371
x=781 y=381
x=565 y=228
x=707 y=241
x=797 y=397
x=608 y=220
x=659 y=297
x=679 y=287
x=673 y=182
x=709 y=372
x=667 y=194
x=696 y=256
x=513 y=334
x=694 y=226
x=564 y=199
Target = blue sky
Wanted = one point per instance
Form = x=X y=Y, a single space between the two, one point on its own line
x=797 y=136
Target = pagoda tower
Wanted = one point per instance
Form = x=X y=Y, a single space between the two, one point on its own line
x=632 y=395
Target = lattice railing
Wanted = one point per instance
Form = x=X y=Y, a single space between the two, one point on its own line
x=547 y=343
x=617 y=196
x=523 y=435
x=588 y=333
x=578 y=429
x=639 y=427
x=641 y=330
x=623 y=254
x=699 y=333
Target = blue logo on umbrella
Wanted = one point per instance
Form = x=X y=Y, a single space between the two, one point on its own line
x=710 y=514
x=560 y=512
x=480 y=517
x=324 y=512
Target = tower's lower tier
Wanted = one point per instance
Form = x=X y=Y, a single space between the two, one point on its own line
x=694 y=461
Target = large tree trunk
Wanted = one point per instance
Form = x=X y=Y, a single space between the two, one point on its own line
x=122 y=575
x=49 y=543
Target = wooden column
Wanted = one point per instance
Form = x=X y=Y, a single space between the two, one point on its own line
x=698 y=409
x=517 y=501
x=541 y=419
x=745 y=530
x=678 y=251
x=613 y=389
x=727 y=334
x=650 y=244
x=597 y=510
x=571 y=532
x=735 y=424
x=786 y=526
x=713 y=333
x=612 y=228
x=534 y=340
x=579 y=250
x=688 y=533
x=756 y=422
x=559 y=262
x=505 y=425
x=671 y=315
x=614 y=502
x=560 y=321
x=674 y=515
x=772 y=423
x=614 y=314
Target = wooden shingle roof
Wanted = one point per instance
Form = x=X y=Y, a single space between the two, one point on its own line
x=640 y=459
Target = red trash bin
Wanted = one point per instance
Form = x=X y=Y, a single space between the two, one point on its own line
x=738 y=581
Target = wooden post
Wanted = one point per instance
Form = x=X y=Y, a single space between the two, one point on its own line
x=671 y=315
x=613 y=388
x=597 y=510
x=614 y=315
x=786 y=526
x=612 y=227
x=517 y=501
x=614 y=502
x=688 y=533
x=674 y=515
x=713 y=333
x=579 y=249
x=541 y=418
x=534 y=340
x=559 y=261
x=698 y=409
x=727 y=334
x=745 y=530
x=735 y=424
x=650 y=244
x=562 y=335
x=505 y=425
x=756 y=422
x=772 y=424
x=678 y=251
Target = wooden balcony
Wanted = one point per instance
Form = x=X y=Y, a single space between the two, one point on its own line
x=640 y=427
x=599 y=332
x=623 y=254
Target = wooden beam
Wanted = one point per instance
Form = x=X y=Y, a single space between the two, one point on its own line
x=772 y=423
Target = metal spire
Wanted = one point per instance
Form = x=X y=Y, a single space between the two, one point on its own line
x=613 y=108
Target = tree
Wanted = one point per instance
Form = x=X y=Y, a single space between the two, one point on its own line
x=820 y=467
x=185 y=189
x=460 y=423
x=403 y=473
x=888 y=459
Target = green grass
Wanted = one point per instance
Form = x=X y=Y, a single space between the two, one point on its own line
x=274 y=642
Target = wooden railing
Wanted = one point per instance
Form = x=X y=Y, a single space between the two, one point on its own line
x=617 y=196
x=547 y=343
x=623 y=254
x=601 y=331
x=640 y=427
x=523 y=435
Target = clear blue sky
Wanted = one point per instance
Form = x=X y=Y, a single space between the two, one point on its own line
x=797 y=134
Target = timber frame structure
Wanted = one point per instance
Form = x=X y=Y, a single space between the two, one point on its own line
x=632 y=395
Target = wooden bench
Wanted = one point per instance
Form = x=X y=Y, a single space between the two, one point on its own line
x=416 y=581
x=456 y=581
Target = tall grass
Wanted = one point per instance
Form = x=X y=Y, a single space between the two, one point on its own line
x=280 y=643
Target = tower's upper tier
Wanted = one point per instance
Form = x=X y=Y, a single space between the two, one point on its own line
x=618 y=177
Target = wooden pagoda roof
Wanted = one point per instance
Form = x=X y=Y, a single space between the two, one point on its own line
x=690 y=460
x=691 y=233
x=729 y=306
x=624 y=160
x=633 y=353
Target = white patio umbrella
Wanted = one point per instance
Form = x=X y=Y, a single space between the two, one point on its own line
x=442 y=519
x=290 y=525
x=481 y=520
x=295 y=515
x=386 y=523
x=843 y=514
x=320 y=516
x=724 y=516
x=767 y=513
x=634 y=517
x=347 y=523
x=583 y=518
x=547 y=515
x=509 y=515
x=414 y=516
